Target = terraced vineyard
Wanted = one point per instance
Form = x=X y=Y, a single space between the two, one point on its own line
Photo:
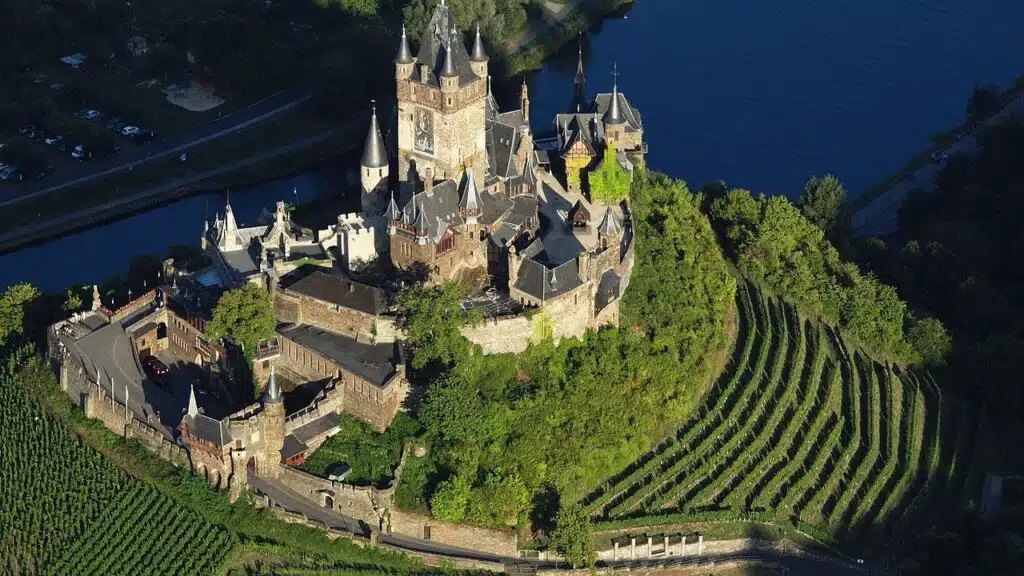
x=65 y=509
x=803 y=429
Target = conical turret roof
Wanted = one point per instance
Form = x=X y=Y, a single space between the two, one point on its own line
x=404 y=53
x=392 y=212
x=419 y=224
x=273 y=391
x=374 y=154
x=478 y=54
x=470 y=197
x=609 y=225
x=614 y=115
x=448 y=70
x=193 y=407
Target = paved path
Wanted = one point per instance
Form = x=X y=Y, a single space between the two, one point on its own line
x=295 y=503
x=139 y=155
x=13 y=239
x=881 y=215
x=555 y=13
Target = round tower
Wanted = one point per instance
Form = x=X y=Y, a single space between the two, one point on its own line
x=478 y=57
x=614 y=122
x=373 y=167
x=272 y=421
x=404 y=61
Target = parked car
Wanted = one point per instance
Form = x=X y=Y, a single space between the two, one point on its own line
x=129 y=130
x=153 y=366
x=11 y=174
x=26 y=130
x=89 y=114
x=81 y=154
x=52 y=139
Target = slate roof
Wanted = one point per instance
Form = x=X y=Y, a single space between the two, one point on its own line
x=502 y=140
x=374 y=153
x=208 y=429
x=544 y=284
x=534 y=250
x=341 y=291
x=503 y=235
x=373 y=362
x=441 y=205
x=242 y=263
x=432 y=52
x=579 y=127
x=608 y=289
x=292 y=447
x=631 y=115
x=321 y=425
x=609 y=225
x=495 y=206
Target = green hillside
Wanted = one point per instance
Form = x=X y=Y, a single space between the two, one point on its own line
x=803 y=429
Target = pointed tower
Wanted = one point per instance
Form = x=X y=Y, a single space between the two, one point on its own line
x=524 y=104
x=373 y=167
x=404 y=60
x=609 y=231
x=272 y=420
x=229 y=231
x=469 y=204
x=579 y=98
x=614 y=121
x=441 y=105
x=193 y=407
x=478 y=57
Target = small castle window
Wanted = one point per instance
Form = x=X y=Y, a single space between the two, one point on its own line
x=449 y=100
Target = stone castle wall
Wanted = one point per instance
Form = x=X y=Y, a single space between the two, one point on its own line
x=416 y=525
x=300 y=309
x=469 y=252
x=364 y=503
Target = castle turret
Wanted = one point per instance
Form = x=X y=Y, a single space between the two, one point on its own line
x=579 y=100
x=206 y=233
x=404 y=61
x=449 y=74
x=478 y=58
x=272 y=420
x=373 y=173
x=614 y=114
x=609 y=231
x=229 y=230
x=524 y=105
x=469 y=204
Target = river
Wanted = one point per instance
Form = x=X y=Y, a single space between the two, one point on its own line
x=761 y=95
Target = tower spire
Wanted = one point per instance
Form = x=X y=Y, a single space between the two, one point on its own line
x=614 y=115
x=448 y=70
x=273 y=393
x=404 y=53
x=579 y=82
x=193 y=408
x=478 y=54
x=374 y=155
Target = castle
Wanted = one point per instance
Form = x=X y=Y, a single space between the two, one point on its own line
x=474 y=194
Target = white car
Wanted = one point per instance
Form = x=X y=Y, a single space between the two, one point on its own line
x=89 y=114
x=129 y=130
x=51 y=140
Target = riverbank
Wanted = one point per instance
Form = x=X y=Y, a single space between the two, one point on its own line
x=942 y=142
x=273 y=163
x=564 y=21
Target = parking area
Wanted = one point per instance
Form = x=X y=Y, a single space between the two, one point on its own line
x=178 y=379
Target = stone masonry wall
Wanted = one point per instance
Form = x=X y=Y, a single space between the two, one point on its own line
x=320 y=313
x=568 y=316
x=364 y=503
x=287 y=308
x=416 y=525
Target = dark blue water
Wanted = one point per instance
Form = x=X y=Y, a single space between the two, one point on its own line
x=758 y=94
x=765 y=94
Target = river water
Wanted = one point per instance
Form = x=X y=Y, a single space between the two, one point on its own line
x=759 y=94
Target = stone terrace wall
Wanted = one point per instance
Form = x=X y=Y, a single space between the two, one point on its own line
x=569 y=314
x=305 y=310
x=500 y=335
x=490 y=540
x=364 y=503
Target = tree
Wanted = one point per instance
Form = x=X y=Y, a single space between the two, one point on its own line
x=73 y=301
x=244 y=315
x=609 y=182
x=573 y=537
x=931 y=341
x=431 y=318
x=13 y=303
x=822 y=201
x=449 y=501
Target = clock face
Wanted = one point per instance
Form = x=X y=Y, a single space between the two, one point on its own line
x=423 y=131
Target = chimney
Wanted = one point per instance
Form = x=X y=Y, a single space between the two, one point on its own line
x=428 y=181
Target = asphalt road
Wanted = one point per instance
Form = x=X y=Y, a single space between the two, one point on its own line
x=133 y=156
x=296 y=503
x=12 y=239
x=881 y=216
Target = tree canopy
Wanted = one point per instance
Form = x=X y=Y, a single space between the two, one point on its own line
x=822 y=201
x=778 y=246
x=245 y=316
x=13 y=304
x=573 y=536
